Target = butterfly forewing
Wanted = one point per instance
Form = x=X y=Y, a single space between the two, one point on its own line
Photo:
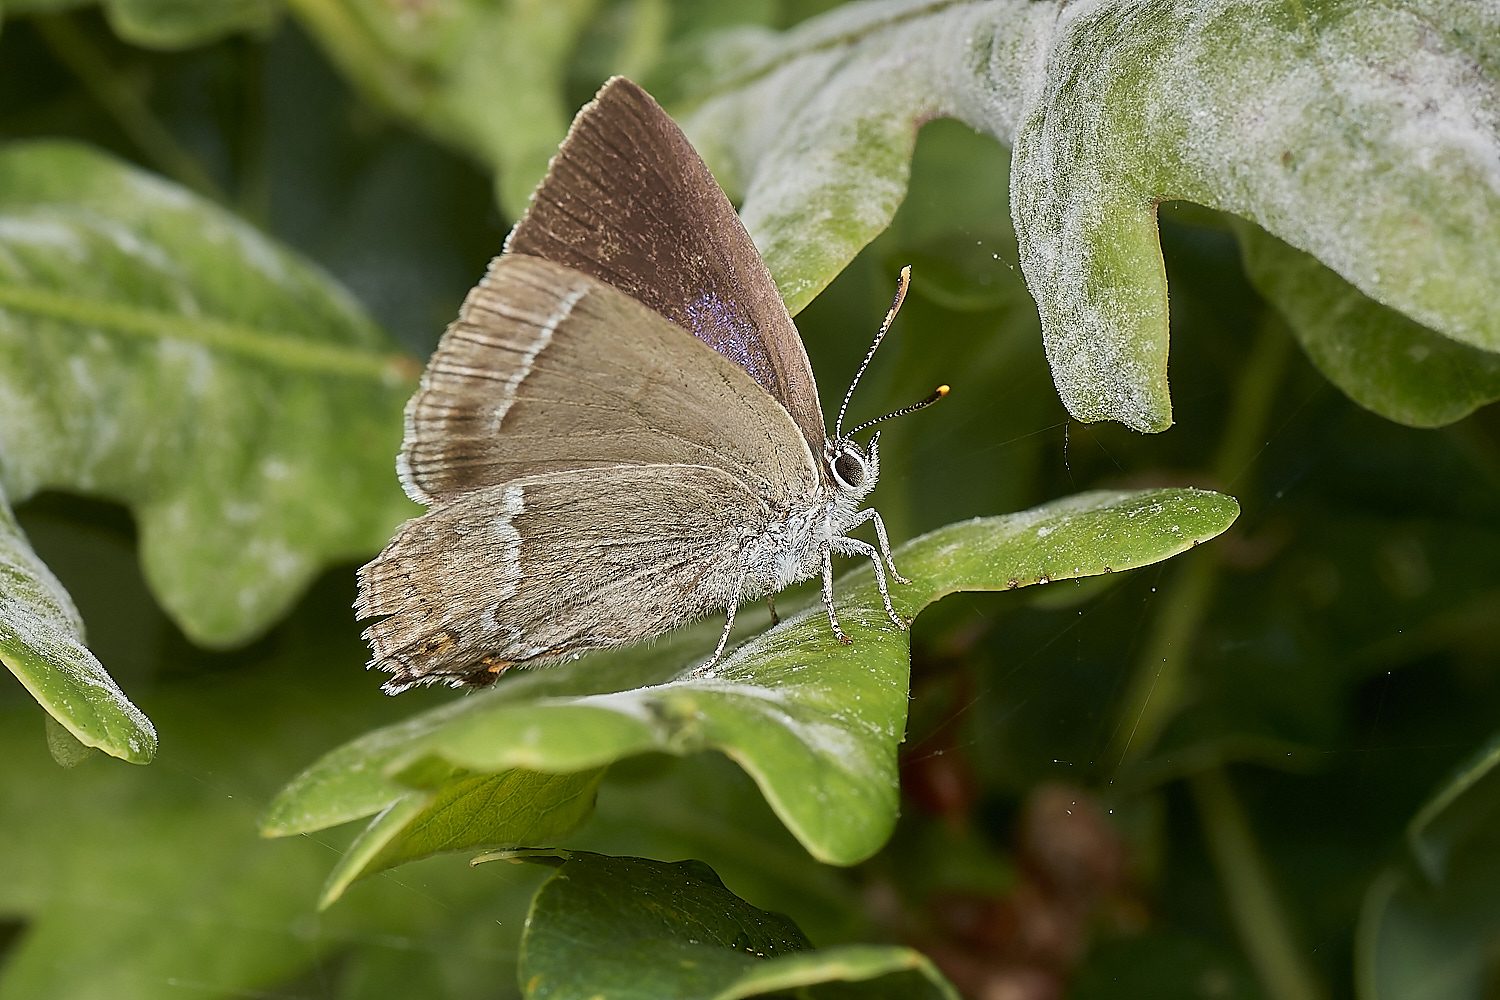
x=535 y=377
x=628 y=200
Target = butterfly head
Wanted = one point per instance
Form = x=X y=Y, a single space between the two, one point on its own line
x=855 y=470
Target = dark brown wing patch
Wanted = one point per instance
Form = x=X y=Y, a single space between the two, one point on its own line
x=628 y=200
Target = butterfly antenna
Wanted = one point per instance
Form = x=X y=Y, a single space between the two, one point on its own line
x=890 y=318
x=937 y=394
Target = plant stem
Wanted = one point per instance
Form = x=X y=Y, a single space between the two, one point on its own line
x=1159 y=685
x=380 y=74
x=1245 y=432
x=1248 y=890
x=122 y=99
x=1159 y=688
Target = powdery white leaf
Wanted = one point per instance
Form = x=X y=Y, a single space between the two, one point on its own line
x=1364 y=134
x=158 y=351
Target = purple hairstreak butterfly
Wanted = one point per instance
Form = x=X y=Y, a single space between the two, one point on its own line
x=620 y=433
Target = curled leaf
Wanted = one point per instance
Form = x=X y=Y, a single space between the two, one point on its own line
x=1363 y=134
x=41 y=642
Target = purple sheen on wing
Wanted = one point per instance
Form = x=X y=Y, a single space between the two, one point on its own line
x=726 y=328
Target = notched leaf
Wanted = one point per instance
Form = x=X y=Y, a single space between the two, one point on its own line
x=1366 y=135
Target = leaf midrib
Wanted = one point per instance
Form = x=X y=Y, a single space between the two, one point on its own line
x=281 y=349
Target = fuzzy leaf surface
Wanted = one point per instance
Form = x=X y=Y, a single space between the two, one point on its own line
x=1364 y=134
x=157 y=351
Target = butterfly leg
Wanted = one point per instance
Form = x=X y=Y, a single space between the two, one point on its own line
x=871 y=514
x=723 y=636
x=833 y=620
x=771 y=605
x=855 y=547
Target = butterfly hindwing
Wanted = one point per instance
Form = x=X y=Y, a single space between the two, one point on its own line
x=548 y=565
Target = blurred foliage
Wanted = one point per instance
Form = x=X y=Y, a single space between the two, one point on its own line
x=1264 y=769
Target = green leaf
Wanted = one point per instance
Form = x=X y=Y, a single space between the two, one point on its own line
x=704 y=806
x=1434 y=936
x=157 y=351
x=1349 y=131
x=503 y=808
x=1381 y=359
x=485 y=77
x=629 y=927
x=814 y=722
x=64 y=746
x=41 y=642
x=1413 y=943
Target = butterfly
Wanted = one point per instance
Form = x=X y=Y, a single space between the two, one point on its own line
x=620 y=433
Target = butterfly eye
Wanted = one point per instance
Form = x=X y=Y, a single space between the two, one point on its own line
x=849 y=468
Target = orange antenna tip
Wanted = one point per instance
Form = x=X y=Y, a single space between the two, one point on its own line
x=936 y=395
